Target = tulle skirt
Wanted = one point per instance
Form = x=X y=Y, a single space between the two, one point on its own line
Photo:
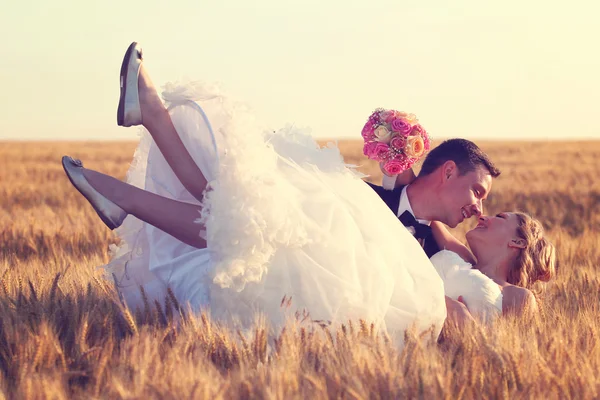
x=283 y=218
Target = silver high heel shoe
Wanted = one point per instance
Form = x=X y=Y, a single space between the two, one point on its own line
x=110 y=213
x=129 y=112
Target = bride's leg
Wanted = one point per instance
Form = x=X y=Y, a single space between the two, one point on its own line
x=171 y=216
x=156 y=119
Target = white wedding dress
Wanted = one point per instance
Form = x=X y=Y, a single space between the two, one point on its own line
x=481 y=294
x=283 y=217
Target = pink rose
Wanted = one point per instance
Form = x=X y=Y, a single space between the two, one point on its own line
x=381 y=151
x=398 y=142
x=368 y=129
x=394 y=167
x=369 y=149
x=417 y=130
x=401 y=126
x=387 y=116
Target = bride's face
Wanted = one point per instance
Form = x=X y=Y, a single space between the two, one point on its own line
x=495 y=233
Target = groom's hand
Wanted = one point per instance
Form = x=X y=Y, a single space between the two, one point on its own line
x=457 y=312
x=463 y=302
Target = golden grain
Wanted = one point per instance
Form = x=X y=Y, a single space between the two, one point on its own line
x=75 y=339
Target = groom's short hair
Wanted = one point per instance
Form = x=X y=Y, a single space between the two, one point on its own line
x=466 y=155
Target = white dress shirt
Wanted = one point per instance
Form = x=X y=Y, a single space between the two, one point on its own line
x=388 y=183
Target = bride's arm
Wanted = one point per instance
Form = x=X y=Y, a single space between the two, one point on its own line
x=446 y=240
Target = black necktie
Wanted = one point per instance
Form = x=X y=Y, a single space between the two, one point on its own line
x=422 y=231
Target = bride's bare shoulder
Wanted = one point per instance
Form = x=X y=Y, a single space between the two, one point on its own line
x=518 y=300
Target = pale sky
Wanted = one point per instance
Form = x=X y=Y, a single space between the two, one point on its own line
x=473 y=69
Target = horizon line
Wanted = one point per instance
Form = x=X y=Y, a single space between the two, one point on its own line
x=345 y=139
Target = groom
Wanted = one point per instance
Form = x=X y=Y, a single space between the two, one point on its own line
x=455 y=178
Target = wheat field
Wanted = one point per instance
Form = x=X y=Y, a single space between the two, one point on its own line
x=64 y=334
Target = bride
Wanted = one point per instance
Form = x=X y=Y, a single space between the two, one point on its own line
x=511 y=255
x=233 y=219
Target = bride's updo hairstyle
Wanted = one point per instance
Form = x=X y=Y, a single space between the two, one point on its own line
x=537 y=261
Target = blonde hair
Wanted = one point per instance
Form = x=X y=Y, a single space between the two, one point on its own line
x=537 y=261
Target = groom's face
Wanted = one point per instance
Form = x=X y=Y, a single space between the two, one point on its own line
x=463 y=195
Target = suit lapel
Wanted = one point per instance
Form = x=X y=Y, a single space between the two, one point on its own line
x=392 y=199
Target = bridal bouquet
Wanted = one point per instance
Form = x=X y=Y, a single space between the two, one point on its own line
x=395 y=139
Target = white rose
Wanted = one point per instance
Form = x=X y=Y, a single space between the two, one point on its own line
x=383 y=134
x=411 y=119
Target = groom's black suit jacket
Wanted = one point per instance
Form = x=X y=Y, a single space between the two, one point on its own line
x=392 y=199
